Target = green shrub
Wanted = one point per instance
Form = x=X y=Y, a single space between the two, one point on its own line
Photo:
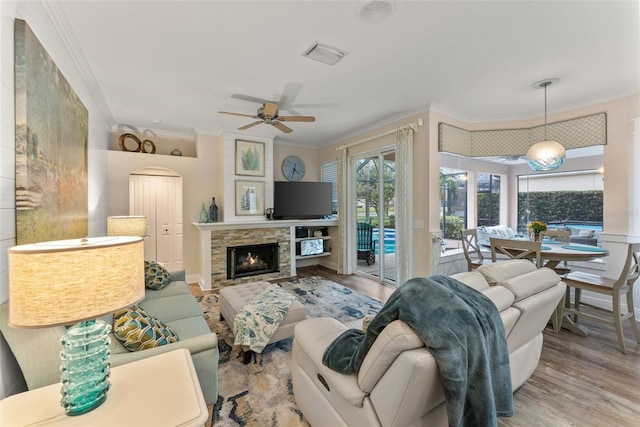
x=557 y=206
x=452 y=226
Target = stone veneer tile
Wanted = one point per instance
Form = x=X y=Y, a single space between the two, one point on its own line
x=221 y=239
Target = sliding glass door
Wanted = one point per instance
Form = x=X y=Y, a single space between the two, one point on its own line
x=375 y=182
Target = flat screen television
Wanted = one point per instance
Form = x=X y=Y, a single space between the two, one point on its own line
x=301 y=200
x=310 y=247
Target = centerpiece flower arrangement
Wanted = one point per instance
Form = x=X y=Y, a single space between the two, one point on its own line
x=537 y=227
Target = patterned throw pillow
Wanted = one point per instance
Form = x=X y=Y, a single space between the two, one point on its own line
x=156 y=276
x=138 y=330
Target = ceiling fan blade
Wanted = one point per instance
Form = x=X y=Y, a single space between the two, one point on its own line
x=248 y=98
x=250 y=125
x=289 y=94
x=282 y=127
x=297 y=118
x=237 y=114
x=270 y=109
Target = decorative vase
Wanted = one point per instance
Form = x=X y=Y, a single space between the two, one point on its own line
x=537 y=237
x=213 y=211
x=203 y=214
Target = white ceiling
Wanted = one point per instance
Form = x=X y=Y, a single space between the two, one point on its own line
x=182 y=61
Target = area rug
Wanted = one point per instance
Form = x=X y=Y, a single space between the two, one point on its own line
x=261 y=393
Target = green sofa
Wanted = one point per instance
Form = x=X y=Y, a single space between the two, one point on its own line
x=37 y=351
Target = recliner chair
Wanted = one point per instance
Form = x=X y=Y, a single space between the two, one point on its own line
x=399 y=383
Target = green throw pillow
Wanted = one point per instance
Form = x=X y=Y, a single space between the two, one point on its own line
x=138 y=330
x=156 y=276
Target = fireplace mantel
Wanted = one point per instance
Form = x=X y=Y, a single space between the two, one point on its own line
x=266 y=224
x=206 y=229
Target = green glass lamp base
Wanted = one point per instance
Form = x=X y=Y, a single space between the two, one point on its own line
x=85 y=366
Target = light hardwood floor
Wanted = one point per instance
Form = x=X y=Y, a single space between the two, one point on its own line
x=578 y=382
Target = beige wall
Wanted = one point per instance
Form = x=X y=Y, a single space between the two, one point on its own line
x=202 y=179
x=308 y=156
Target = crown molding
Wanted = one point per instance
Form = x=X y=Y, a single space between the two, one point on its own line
x=63 y=28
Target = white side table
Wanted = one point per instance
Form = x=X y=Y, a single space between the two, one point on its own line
x=162 y=390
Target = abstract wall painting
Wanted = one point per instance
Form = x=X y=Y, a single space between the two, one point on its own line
x=52 y=128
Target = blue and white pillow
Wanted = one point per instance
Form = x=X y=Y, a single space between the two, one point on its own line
x=156 y=276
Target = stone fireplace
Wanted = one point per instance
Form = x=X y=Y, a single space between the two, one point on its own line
x=222 y=239
x=252 y=260
x=215 y=238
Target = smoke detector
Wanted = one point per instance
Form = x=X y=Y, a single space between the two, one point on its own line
x=375 y=11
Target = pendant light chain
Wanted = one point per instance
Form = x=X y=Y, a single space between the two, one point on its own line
x=545 y=110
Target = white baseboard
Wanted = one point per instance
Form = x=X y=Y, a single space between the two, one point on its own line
x=196 y=278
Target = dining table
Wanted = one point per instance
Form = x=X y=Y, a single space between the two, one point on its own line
x=554 y=252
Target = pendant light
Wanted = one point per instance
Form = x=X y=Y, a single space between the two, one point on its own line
x=545 y=155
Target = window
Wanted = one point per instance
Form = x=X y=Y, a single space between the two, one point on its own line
x=488 y=199
x=561 y=199
x=329 y=173
x=453 y=202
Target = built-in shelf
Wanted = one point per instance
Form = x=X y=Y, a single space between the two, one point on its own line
x=299 y=241
x=164 y=145
x=312 y=238
x=313 y=256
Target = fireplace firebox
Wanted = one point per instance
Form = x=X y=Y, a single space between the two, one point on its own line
x=251 y=260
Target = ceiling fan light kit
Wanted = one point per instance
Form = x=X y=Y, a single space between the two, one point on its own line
x=545 y=155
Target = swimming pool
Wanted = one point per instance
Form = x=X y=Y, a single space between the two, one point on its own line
x=389 y=240
x=578 y=224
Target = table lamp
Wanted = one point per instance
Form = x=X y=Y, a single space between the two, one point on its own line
x=135 y=225
x=76 y=281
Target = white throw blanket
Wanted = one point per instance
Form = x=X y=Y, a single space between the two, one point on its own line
x=256 y=323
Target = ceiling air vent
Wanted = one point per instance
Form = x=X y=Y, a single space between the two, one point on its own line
x=324 y=53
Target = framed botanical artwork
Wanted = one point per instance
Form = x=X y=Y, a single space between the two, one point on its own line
x=249 y=158
x=249 y=197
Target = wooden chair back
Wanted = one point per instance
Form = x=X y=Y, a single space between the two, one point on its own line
x=516 y=249
x=558 y=235
x=563 y=237
x=365 y=243
x=616 y=288
x=471 y=248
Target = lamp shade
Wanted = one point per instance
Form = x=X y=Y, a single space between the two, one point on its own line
x=127 y=226
x=67 y=281
x=545 y=156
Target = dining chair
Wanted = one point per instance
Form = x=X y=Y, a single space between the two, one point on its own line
x=616 y=288
x=560 y=236
x=516 y=249
x=471 y=249
x=365 y=243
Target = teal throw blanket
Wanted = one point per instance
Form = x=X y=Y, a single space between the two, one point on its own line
x=462 y=329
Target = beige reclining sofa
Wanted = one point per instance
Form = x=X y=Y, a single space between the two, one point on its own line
x=398 y=383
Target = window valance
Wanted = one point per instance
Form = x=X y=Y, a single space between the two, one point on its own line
x=580 y=132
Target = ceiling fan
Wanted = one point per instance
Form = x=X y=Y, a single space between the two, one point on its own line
x=268 y=114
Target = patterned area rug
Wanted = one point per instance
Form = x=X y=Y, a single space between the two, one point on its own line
x=261 y=393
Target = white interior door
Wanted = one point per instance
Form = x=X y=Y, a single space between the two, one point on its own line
x=169 y=222
x=159 y=198
x=142 y=202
